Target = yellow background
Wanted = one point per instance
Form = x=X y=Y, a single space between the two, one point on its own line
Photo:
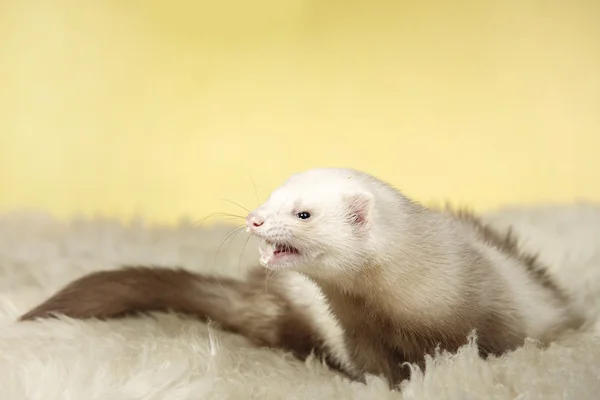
x=165 y=108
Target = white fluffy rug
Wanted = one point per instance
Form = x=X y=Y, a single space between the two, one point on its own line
x=176 y=358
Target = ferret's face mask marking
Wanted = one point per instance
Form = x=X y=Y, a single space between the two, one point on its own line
x=306 y=224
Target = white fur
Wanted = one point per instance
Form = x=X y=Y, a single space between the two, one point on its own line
x=307 y=295
x=172 y=358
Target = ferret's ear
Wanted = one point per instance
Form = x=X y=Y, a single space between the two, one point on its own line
x=359 y=209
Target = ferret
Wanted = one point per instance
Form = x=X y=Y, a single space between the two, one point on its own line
x=355 y=272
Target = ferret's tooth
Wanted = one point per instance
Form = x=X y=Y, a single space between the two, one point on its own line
x=267 y=252
x=265 y=259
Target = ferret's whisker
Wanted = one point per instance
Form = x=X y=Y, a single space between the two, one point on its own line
x=255 y=192
x=282 y=204
x=234 y=203
x=242 y=252
x=269 y=274
x=228 y=235
x=222 y=214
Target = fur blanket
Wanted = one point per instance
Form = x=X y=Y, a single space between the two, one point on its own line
x=171 y=357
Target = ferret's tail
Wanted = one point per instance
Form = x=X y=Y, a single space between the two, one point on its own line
x=255 y=308
x=134 y=290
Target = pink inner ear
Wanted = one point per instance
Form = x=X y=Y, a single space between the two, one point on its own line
x=358 y=219
x=359 y=210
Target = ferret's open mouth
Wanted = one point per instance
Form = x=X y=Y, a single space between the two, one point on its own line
x=283 y=249
x=271 y=252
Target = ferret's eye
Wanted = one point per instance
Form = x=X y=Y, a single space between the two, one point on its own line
x=303 y=215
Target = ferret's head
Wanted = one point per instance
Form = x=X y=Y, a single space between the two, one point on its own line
x=321 y=218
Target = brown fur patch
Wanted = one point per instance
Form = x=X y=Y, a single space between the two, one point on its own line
x=508 y=244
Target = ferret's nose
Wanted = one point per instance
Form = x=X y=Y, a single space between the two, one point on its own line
x=254 y=221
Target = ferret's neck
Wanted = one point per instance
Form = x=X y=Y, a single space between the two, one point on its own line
x=371 y=284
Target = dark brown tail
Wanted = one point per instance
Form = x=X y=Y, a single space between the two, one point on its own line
x=134 y=290
x=240 y=306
